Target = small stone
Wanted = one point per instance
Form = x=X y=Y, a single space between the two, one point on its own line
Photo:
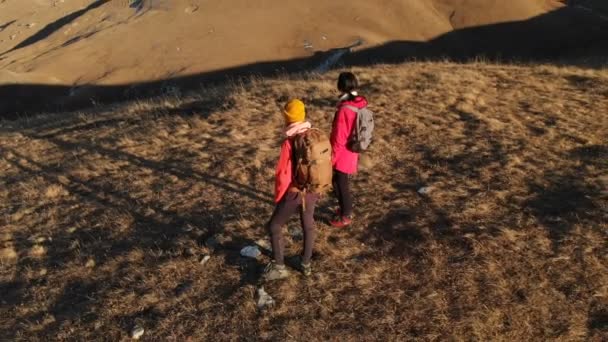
x=204 y=259
x=264 y=299
x=251 y=252
x=137 y=332
x=90 y=263
x=30 y=25
x=13 y=36
x=191 y=9
x=425 y=190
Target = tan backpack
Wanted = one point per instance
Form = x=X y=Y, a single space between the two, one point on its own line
x=312 y=160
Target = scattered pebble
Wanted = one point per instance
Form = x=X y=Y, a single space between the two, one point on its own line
x=137 y=332
x=204 y=259
x=264 y=299
x=90 y=263
x=251 y=252
x=30 y=25
x=191 y=9
x=13 y=36
x=425 y=190
x=308 y=45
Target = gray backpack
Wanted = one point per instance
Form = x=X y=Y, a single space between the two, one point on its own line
x=361 y=136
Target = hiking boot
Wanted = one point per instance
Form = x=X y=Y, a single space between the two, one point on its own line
x=275 y=272
x=306 y=269
x=341 y=222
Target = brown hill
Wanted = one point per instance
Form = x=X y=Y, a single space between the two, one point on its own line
x=106 y=42
x=73 y=54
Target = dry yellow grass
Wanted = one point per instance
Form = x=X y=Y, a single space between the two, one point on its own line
x=104 y=214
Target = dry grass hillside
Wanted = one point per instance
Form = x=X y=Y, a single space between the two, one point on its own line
x=105 y=214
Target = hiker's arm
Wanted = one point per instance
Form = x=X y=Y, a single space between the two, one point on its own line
x=283 y=176
x=340 y=130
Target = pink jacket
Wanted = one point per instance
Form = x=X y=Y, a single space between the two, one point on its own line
x=343 y=159
x=283 y=173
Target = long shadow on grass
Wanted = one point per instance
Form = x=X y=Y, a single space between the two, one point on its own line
x=202 y=108
x=178 y=170
x=566 y=198
x=407 y=231
x=161 y=232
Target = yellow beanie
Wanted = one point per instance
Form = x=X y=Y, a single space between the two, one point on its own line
x=294 y=111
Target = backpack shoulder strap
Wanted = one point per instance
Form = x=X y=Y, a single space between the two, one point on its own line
x=353 y=108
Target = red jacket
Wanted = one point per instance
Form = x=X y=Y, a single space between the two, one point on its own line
x=284 y=170
x=343 y=159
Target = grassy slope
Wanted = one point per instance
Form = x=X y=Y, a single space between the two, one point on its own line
x=104 y=214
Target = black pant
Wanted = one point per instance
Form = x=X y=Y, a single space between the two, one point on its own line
x=342 y=191
x=289 y=205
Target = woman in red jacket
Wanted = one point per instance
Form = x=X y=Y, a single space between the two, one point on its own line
x=344 y=160
x=289 y=199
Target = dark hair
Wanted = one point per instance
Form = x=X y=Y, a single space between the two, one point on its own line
x=347 y=82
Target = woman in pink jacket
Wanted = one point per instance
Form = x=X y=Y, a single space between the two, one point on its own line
x=344 y=160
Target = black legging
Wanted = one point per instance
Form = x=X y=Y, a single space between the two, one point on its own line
x=289 y=205
x=342 y=191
